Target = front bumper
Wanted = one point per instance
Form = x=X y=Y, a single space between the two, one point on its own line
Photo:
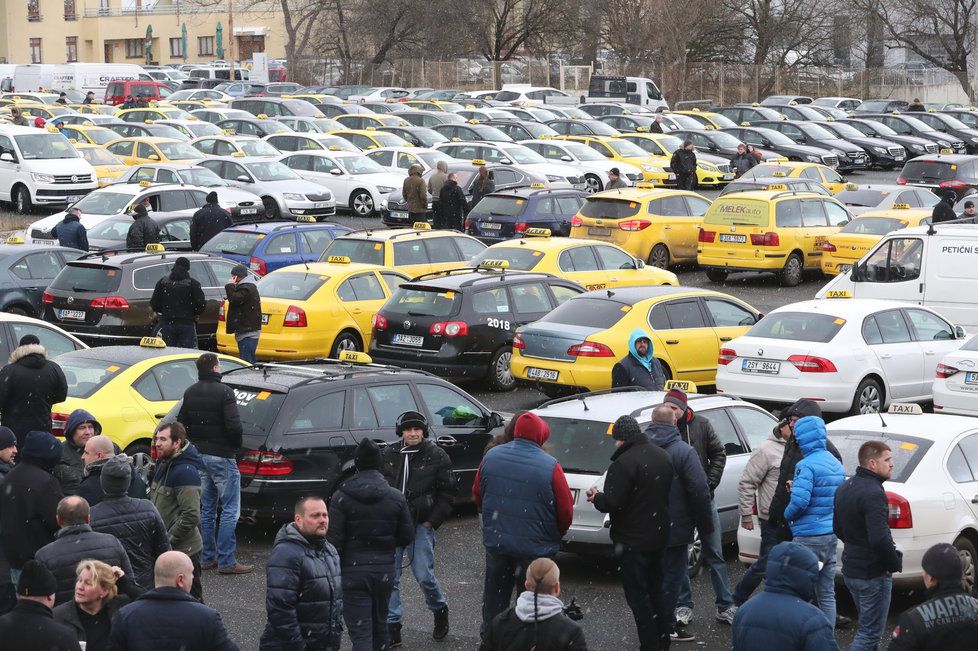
x=51 y=194
x=314 y=208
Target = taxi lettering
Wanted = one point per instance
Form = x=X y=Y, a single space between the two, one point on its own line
x=736 y=209
x=244 y=397
x=595 y=286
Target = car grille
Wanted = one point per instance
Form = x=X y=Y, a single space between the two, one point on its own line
x=77 y=178
x=397 y=205
x=667 y=169
x=245 y=204
x=39 y=234
x=723 y=167
x=634 y=177
x=319 y=197
x=931 y=149
x=575 y=180
x=830 y=160
x=957 y=144
x=896 y=151
x=316 y=211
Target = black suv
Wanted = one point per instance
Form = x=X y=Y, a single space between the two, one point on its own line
x=460 y=323
x=303 y=420
x=504 y=215
x=955 y=172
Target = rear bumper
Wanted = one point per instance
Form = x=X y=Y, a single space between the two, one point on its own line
x=769 y=262
x=830 y=392
x=282 y=346
x=586 y=373
x=947 y=401
x=447 y=364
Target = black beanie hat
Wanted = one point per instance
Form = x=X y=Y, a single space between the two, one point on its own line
x=411 y=419
x=943 y=563
x=211 y=197
x=115 y=476
x=240 y=271
x=29 y=340
x=182 y=262
x=36 y=580
x=7 y=438
x=626 y=428
x=802 y=408
x=367 y=455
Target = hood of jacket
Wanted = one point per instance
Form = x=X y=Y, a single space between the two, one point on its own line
x=547 y=606
x=531 y=427
x=42 y=449
x=645 y=360
x=75 y=419
x=662 y=434
x=810 y=434
x=792 y=569
x=71 y=217
x=188 y=456
x=179 y=273
x=414 y=170
x=32 y=355
x=366 y=487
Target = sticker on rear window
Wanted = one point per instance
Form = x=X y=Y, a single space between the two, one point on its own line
x=520 y=201
x=626 y=308
x=263 y=395
x=537 y=254
x=908 y=446
x=611 y=426
x=378 y=246
x=111 y=273
x=111 y=369
x=261 y=237
x=244 y=397
x=839 y=322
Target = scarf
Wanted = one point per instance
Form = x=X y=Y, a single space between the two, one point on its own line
x=406 y=453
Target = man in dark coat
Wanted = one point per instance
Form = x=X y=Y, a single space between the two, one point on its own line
x=415 y=194
x=422 y=471
x=639 y=368
x=944 y=209
x=636 y=497
x=454 y=207
x=79 y=428
x=683 y=165
x=142 y=231
x=141 y=102
x=98 y=451
x=243 y=318
x=370 y=519
x=304 y=598
x=8 y=450
x=31 y=625
x=483 y=185
x=70 y=231
x=916 y=105
x=179 y=300
x=30 y=384
x=656 y=127
x=89 y=98
x=167 y=617
x=743 y=161
x=208 y=222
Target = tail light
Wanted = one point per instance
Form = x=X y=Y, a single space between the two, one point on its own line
x=220 y=313
x=809 y=364
x=110 y=303
x=590 y=349
x=269 y=464
x=901 y=180
x=295 y=317
x=258 y=266
x=449 y=328
x=765 y=239
x=945 y=371
x=47 y=298
x=634 y=224
x=828 y=247
x=379 y=322
x=707 y=236
x=468 y=223
x=899 y=515
x=521 y=226
x=953 y=185
x=58 y=422
x=518 y=342
x=727 y=355
x=576 y=221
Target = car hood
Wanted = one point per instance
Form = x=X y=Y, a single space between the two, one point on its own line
x=46 y=224
x=844 y=145
x=61 y=166
x=386 y=179
x=806 y=150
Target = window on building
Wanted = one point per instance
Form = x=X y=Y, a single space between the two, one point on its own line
x=70 y=13
x=35 y=48
x=176 y=48
x=205 y=46
x=33 y=10
x=135 y=48
x=71 y=49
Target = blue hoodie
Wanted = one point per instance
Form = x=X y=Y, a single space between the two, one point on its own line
x=689 y=494
x=817 y=476
x=638 y=370
x=75 y=419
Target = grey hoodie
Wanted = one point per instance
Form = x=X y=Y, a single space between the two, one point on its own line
x=547 y=606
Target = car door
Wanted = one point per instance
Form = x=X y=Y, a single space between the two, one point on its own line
x=145 y=153
x=936 y=338
x=814 y=230
x=679 y=230
x=900 y=357
x=123 y=150
x=690 y=343
x=621 y=268
x=313 y=242
x=726 y=496
x=160 y=387
x=35 y=272
x=315 y=437
x=362 y=295
x=579 y=263
x=282 y=249
x=962 y=469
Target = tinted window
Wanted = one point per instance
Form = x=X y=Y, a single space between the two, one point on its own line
x=562 y=293
x=421 y=302
x=391 y=400
x=725 y=430
x=587 y=312
x=580 y=446
x=726 y=314
x=685 y=314
x=367 y=287
x=871 y=332
x=907 y=450
x=449 y=408
x=410 y=253
x=789 y=214
x=282 y=245
x=614 y=258
x=957 y=466
x=175 y=377
x=440 y=249
x=290 y=285
x=232 y=242
x=812 y=214
x=609 y=209
x=522 y=259
x=492 y=301
x=321 y=413
x=893 y=329
x=530 y=298
x=86 y=278
x=580 y=258
x=797 y=326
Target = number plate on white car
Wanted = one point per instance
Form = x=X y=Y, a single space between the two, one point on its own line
x=760 y=366
x=971 y=377
x=542 y=374
x=736 y=239
x=397 y=214
x=249 y=211
x=71 y=315
x=408 y=340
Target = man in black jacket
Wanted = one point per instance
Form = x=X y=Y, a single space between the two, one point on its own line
x=869 y=557
x=179 y=300
x=210 y=414
x=636 y=496
x=683 y=164
x=30 y=384
x=208 y=222
x=454 y=207
x=79 y=428
x=31 y=625
x=944 y=209
x=370 y=520
x=142 y=231
x=422 y=471
x=243 y=319
x=70 y=231
x=98 y=451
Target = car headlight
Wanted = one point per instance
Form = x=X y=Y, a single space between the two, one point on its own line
x=813 y=159
x=918 y=148
x=707 y=167
x=385 y=189
x=42 y=178
x=880 y=150
x=291 y=196
x=650 y=168
x=974 y=140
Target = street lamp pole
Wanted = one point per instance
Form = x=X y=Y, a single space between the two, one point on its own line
x=231 y=41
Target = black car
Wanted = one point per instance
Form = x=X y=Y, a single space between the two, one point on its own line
x=955 y=172
x=519 y=130
x=881 y=105
x=303 y=420
x=569 y=127
x=909 y=124
x=506 y=215
x=483 y=132
x=25 y=270
x=873 y=128
x=766 y=182
x=798 y=112
x=885 y=154
x=969 y=118
x=952 y=128
x=273 y=106
x=719 y=143
x=417 y=136
x=851 y=157
x=460 y=324
x=769 y=140
x=748 y=113
x=260 y=127
x=136 y=130
x=111 y=233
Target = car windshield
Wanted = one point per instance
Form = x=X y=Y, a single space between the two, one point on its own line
x=815 y=131
x=776 y=137
x=201 y=176
x=99 y=156
x=523 y=155
x=360 y=165
x=87 y=278
x=580 y=446
x=487 y=132
x=418 y=301
x=581 y=152
x=873 y=225
x=86 y=376
x=258 y=148
x=907 y=450
x=844 y=130
x=45 y=146
x=104 y=203
x=363 y=251
x=233 y=242
x=110 y=229
x=271 y=171
x=798 y=326
x=587 y=311
x=626 y=149
x=601 y=208
x=178 y=151
x=431 y=158
x=880 y=128
x=301 y=107
x=862 y=198
x=722 y=140
x=201 y=129
x=520 y=259
x=500 y=206
x=290 y=285
x=686 y=122
x=98 y=136
x=274 y=126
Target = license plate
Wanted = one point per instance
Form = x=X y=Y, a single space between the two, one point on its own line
x=760 y=366
x=408 y=340
x=490 y=226
x=845 y=268
x=542 y=374
x=264 y=319
x=898 y=158
x=249 y=211
x=672 y=177
x=947 y=151
x=737 y=239
x=600 y=232
x=728 y=176
x=399 y=215
x=322 y=204
x=71 y=315
x=971 y=377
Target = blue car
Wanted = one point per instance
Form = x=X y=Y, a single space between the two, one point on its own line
x=267 y=246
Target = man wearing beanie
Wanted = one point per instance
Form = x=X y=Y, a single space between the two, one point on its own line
x=208 y=222
x=31 y=624
x=98 y=451
x=526 y=507
x=142 y=231
x=948 y=620
x=243 y=319
x=683 y=163
x=8 y=450
x=179 y=301
x=30 y=384
x=369 y=520
x=636 y=497
x=79 y=428
x=639 y=368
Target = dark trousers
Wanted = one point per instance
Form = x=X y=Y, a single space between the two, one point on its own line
x=641 y=577
x=504 y=573
x=437 y=220
x=366 y=595
x=417 y=217
x=675 y=564
x=771 y=535
x=685 y=181
x=197 y=588
x=179 y=334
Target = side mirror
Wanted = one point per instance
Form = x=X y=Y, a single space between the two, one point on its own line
x=493 y=420
x=506 y=161
x=639 y=264
x=8 y=157
x=856 y=273
x=959 y=332
x=154 y=157
x=243 y=179
x=566 y=158
x=336 y=171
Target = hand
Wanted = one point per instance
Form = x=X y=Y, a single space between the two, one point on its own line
x=591 y=492
x=426 y=524
x=789 y=484
x=234 y=280
x=747 y=522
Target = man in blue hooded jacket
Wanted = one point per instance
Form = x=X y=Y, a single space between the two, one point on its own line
x=639 y=368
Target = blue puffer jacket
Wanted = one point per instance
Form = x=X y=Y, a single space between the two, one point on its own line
x=304 y=600
x=817 y=476
x=781 y=617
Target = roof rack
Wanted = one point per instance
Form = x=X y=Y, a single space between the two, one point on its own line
x=589 y=394
x=346 y=370
x=960 y=221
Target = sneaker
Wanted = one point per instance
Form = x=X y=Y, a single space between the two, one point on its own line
x=681 y=635
x=441 y=624
x=237 y=568
x=727 y=615
x=684 y=615
x=841 y=621
x=394 y=633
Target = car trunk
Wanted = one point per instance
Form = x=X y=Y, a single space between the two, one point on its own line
x=411 y=313
x=496 y=216
x=82 y=294
x=551 y=340
x=607 y=219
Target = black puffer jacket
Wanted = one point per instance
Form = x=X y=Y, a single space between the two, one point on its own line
x=169 y=619
x=683 y=162
x=29 y=500
x=792 y=455
x=71 y=470
x=431 y=485
x=76 y=543
x=142 y=231
x=210 y=414
x=91 y=486
x=29 y=384
x=178 y=297
x=368 y=520
x=244 y=307
x=138 y=526
x=304 y=598
x=860 y=521
x=452 y=204
x=206 y=223
x=699 y=433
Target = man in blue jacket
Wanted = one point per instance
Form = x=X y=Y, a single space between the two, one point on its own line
x=639 y=368
x=811 y=507
x=70 y=231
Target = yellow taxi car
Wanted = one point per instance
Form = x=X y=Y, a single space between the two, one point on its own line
x=366 y=139
x=146 y=149
x=663 y=145
x=95 y=109
x=317 y=310
x=128 y=388
x=194 y=104
x=46 y=111
x=856 y=238
x=593 y=265
x=368 y=121
x=658 y=226
x=827 y=176
x=614 y=148
x=708 y=118
x=314 y=98
x=776 y=231
x=575 y=347
x=107 y=166
x=89 y=133
x=153 y=113
x=412 y=251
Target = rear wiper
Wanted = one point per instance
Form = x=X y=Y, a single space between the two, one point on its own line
x=498 y=214
x=83 y=289
x=410 y=313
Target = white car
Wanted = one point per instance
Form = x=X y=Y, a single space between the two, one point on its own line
x=527 y=95
x=193 y=128
x=586 y=159
x=956 y=381
x=235 y=145
x=40 y=167
x=197 y=94
x=286 y=142
x=850 y=355
x=931 y=492
x=559 y=175
x=400 y=159
x=305 y=124
x=379 y=94
x=357 y=182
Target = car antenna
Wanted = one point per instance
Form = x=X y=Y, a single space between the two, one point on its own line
x=581 y=396
x=880 y=413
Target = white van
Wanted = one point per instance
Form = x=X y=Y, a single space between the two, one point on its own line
x=40 y=167
x=95 y=77
x=933 y=266
x=631 y=90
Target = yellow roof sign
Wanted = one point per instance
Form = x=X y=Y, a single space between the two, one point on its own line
x=838 y=293
x=537 y=232
x=338 y=259
x=421 y=226
x=494 y=264
x=152 y=342
x=682 y=385
x=155 y=248
x=355 y=357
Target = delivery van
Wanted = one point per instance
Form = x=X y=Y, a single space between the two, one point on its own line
x=40 y=167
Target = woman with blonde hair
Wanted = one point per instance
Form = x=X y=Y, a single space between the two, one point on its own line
x=95 y=601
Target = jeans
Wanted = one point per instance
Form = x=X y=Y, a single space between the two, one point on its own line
x=872 y=597
x=503 y=574
x=366 y=593
x=770 y=536
x=713 y=557
x=422 y=556
x=179 y=334
x=641 y=578
x=247 y=348
x=675 y=565
x=221 y=484
x=824 y=548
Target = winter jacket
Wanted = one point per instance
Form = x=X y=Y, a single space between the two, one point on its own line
x=304 y=598
x=615 y=185
x=244 y=307
x=634 y=370
x=453 y=206
x=792 y=455
x=760 y=477
x=178 y=297
x=71 y=469
x=31 y=625
x=740 y=164
x=817 y=476
x=368 y=520
x=168 y=619
x=210 y=414
x=91 y=486
x=481 y=188
x=782 y=617
x=860 y=521
x=698 y=432
x=30 y=384
x=942 y=212
x=414 y=191
x=175 y=492
x=71 y=233
x=636 y=495
x=947 y=621
x=76 y=543
x=206 y=223
x=142 y=231
x=67 y=614
x=541 y=628
x=526 y=504
x=683 y=162
x=430 y=490
x=29 y=500
x=689 y=494
x=435 y=183
x=5 y=468
x=139 y=527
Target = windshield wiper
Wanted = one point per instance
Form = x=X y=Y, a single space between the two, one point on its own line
x=419 y=313
x=83 y=289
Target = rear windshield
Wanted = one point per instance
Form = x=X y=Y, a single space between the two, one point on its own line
x=862 y=198
x=928 y=170
x=87 y=278
x=257 y=408
x=971 y=345
x=798 y=326
x=500 y=206
x=587 y=312
x=907 y=450
x=422 y=302
x=86 y=376
x=873 y=225
x=580 y=446
x=521 y=259
x=506 y=96
x=738 y=212
x=292 y=285
x=609 y=208
x=233 y=243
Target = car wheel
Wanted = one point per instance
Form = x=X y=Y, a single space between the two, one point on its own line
x=694 y=563
x=272 y=212
x=592 y=184
x=139 y=447
x=966 y=550
x=791 y=275
x=716 y=275
x=23 y=201
x=659 y=256
x=361 y=203
x=19 y=311
x=500 y=375
x=553 y=390
x=868 y=398
x=345 y=341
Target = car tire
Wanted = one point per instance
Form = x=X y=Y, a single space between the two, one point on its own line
x=694 y=559
x=272 y=211
x=716 y=275
x=869 y=393
x=659 y=256
x=592 y=184
x=793 y=272
x=361 y=203
x=19 y=311
x=969 y=558
x=22 y=199
x=500 y=375
x=137 y=448
x=346 y=340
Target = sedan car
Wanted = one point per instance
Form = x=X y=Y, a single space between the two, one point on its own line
x=193 y=128
x=583 y=128
x=850 y=156
x=25 y=270
x=133 y=151
x=557 y=174
x=589 y=162
x=417 y=136
x=242 y=204
x=305 y=124
x=357 y=183
x=508 y=214
x=286 y=142
x=223 y=145
x=252 y=126
x=884 y=197
x=885 y=154
x=400 y=159
x=956 y=381
x=267 y=246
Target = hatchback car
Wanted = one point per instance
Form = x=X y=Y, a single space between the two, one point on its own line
x=957 y=173
x=25 y=270
x=357 y=183
x=267 y=246
x=506 y=215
